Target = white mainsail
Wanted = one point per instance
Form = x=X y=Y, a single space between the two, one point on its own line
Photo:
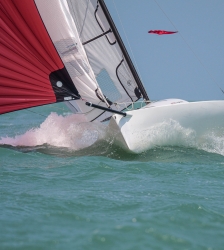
x=99 y=68
x=69 y=50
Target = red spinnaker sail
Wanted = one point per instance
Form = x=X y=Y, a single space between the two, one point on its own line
x=162 y=32
x=29 y=62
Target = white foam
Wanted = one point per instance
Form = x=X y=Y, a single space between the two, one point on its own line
x=171 y=133
x=168 y=133
x=212 y=143
x=72 y=131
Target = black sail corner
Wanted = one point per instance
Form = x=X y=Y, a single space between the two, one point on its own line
x=63 y=86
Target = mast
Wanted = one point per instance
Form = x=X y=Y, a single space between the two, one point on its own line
x=123 y=49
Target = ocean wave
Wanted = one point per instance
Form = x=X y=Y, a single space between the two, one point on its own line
x=171 y=133
x=74 y=133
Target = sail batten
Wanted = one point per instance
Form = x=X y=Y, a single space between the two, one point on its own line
x=64 y=50
x=124 y=51
x=118 y=82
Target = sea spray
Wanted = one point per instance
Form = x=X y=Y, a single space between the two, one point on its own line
x=168 y=133
x=171 y=133
x=212 y=143
x=71 y=131
x=75 y=133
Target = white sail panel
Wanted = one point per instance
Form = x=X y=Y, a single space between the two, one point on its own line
x=62 y=30
x=103 y=53
x=95 y=62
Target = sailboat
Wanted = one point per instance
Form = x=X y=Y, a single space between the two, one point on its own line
x=70 y=51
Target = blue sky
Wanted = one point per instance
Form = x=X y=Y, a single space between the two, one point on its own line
x=188 y=65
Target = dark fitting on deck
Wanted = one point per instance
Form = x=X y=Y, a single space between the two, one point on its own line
x=105 y=109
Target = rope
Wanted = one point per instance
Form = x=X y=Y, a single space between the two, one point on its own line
x=35 y=112
x=196 y=56
x=42 y=114
x=132 y=54
x=83 y=24
x=126 y=104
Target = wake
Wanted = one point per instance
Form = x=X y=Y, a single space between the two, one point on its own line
x=74 y=134
x=171 y=133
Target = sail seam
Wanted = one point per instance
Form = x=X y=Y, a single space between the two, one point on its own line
x=120 y=79
x=68 y=88
x=123 y=49
x=83 y=24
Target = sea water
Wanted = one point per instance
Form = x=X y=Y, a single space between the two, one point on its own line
x=64 y=184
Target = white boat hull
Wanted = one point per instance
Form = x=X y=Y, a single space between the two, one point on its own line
x=139 y=125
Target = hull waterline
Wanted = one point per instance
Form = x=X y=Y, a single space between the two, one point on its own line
x=199 y=118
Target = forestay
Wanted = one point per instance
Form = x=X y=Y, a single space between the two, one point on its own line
x=64 y=50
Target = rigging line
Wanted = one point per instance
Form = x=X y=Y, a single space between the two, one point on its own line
x=42 y=114
x=92 y=76
x=35 y=112
x=87 y=59
x=128 y=41
x=196 y=56
x=84 y=21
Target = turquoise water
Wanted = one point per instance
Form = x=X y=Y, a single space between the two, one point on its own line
x=65 y=185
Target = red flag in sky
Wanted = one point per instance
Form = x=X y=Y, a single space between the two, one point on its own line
x=162 y=32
